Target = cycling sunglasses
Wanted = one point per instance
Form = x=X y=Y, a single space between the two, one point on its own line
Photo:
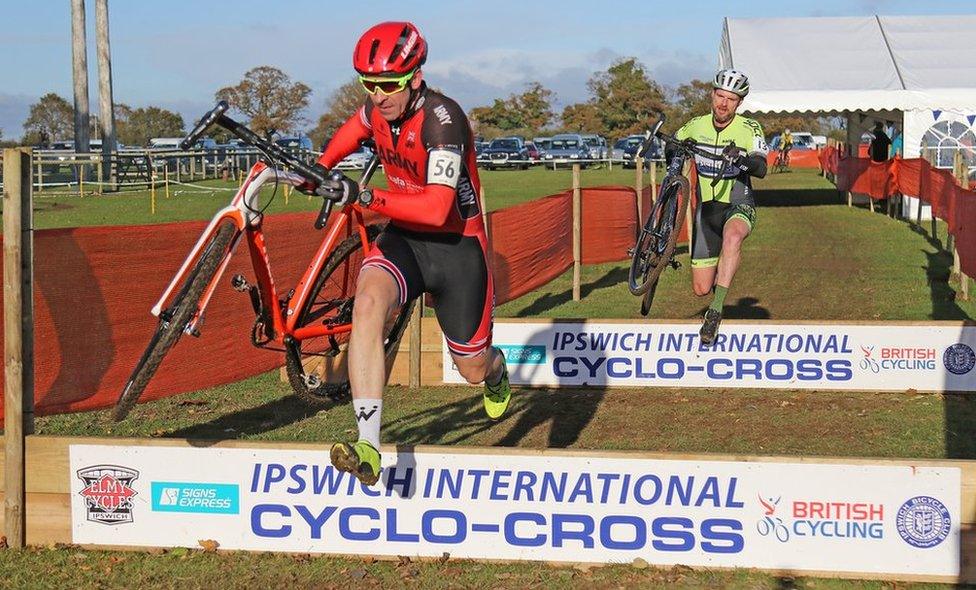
x=387 y=86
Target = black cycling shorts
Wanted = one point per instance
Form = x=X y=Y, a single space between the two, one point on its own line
x=710 y=220
x=453 y=269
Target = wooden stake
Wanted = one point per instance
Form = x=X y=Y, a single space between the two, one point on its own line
x=166 y=180
x=577 y=230
x=18 y=390
x=152 y=193
x=416 y=354
x=639 y=187
x=484 y=210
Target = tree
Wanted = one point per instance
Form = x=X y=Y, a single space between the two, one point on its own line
x=624 y=101
x=626 y=98
x=51 y=116
x=341 y=105
x=582 y=117
x=138 y=126
x=535 y=106
x=688 y=100
x=269 y=98
x=531 y=110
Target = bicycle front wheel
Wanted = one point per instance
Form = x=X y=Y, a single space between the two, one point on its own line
x=658 y=238
x=330 y=304
x=174 y=319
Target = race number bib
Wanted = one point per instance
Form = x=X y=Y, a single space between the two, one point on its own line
x=443 y=167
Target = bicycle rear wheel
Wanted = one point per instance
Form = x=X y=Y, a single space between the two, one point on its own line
x=658 y=238
x=330 y=303
x=173 y=319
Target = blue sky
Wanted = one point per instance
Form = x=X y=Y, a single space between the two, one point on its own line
x=177 y=53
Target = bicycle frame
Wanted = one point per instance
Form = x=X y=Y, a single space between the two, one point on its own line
x=242 y=212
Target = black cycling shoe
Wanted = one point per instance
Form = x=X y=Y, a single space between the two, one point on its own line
x=710 y=326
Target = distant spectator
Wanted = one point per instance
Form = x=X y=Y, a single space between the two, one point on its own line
x=898 y=144
x=879 y=144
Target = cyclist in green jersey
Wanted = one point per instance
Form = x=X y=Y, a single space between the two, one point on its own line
x=726 y=208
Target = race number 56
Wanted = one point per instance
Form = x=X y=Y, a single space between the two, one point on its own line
x=443 y=167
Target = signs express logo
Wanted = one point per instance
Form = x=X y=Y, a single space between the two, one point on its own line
x=108 y=493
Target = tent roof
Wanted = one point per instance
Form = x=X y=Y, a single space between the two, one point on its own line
x=836 y=64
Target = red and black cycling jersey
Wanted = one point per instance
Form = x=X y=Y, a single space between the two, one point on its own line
x=429 y=160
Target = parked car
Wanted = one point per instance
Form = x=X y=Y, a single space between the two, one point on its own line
x=296 y=143
x=597 y=146
x=535 y=154
x=629 y=145
x=356 y=160
x=506 y=152
x=567 y=148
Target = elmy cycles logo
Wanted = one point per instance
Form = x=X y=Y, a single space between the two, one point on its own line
x=108 y=493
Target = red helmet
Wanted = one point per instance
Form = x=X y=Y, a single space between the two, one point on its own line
x=390 y=48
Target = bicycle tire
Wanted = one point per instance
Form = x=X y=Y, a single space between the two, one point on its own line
x=173 y=320
x=345 y=256
x=644 y=273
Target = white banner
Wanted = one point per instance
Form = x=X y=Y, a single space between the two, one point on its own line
x=761 y=355
x=845 y=518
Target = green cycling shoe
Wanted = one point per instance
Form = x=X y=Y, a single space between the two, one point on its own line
x=360 y=459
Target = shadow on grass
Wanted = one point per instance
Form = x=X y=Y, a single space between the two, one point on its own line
x=567 y=412
x=746 y=308
x=549 y=301
x=251 y=421
x=793 y=197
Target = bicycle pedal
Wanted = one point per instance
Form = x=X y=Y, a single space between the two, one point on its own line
x=675 y=264
x=239 y=283
x=630 y=251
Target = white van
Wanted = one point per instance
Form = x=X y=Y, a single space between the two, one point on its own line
x=165 y=143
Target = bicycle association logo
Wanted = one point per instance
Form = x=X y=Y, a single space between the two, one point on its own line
x=869 y=362
x=108 y=493
x=959 y=359
x=770 y=524
x=923 y=522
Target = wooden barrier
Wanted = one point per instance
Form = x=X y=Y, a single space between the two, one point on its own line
x=49 y=484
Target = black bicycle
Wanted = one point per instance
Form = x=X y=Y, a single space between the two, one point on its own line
x=658 y=236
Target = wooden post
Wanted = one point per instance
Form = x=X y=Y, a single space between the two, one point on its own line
x=577 y=230
x=106 y=118
x=152 y=193
x=639 y=187
x=166 y=180
x=81 y=180
x=40 y=174
x=18 y=334
x=653 y=181
x=416 y=353
x=484 y=210
x=871 y=203
x=850 y=199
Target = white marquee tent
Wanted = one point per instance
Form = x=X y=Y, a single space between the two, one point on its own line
x=914 y=70
x=917 y=72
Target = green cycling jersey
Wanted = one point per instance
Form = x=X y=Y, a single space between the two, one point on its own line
x=734 y=184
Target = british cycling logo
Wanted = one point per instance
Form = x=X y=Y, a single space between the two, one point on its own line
x=923 y=522
x=108 y=493
x=771 y=524
x=959 y=359
x=869 y=363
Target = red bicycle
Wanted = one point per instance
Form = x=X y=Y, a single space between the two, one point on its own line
x=313 y=320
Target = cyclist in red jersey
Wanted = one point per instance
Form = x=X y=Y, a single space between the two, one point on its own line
x=435 y=242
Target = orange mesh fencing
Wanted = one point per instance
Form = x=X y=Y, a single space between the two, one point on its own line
x=94 y=287
x=798 y=158
x=915 y=177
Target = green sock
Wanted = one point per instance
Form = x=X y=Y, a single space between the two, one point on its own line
x=719 y=300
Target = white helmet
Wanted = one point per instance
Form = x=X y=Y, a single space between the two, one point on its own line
x=733 y=81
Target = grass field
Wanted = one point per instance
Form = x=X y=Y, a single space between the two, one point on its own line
x=810 y=258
